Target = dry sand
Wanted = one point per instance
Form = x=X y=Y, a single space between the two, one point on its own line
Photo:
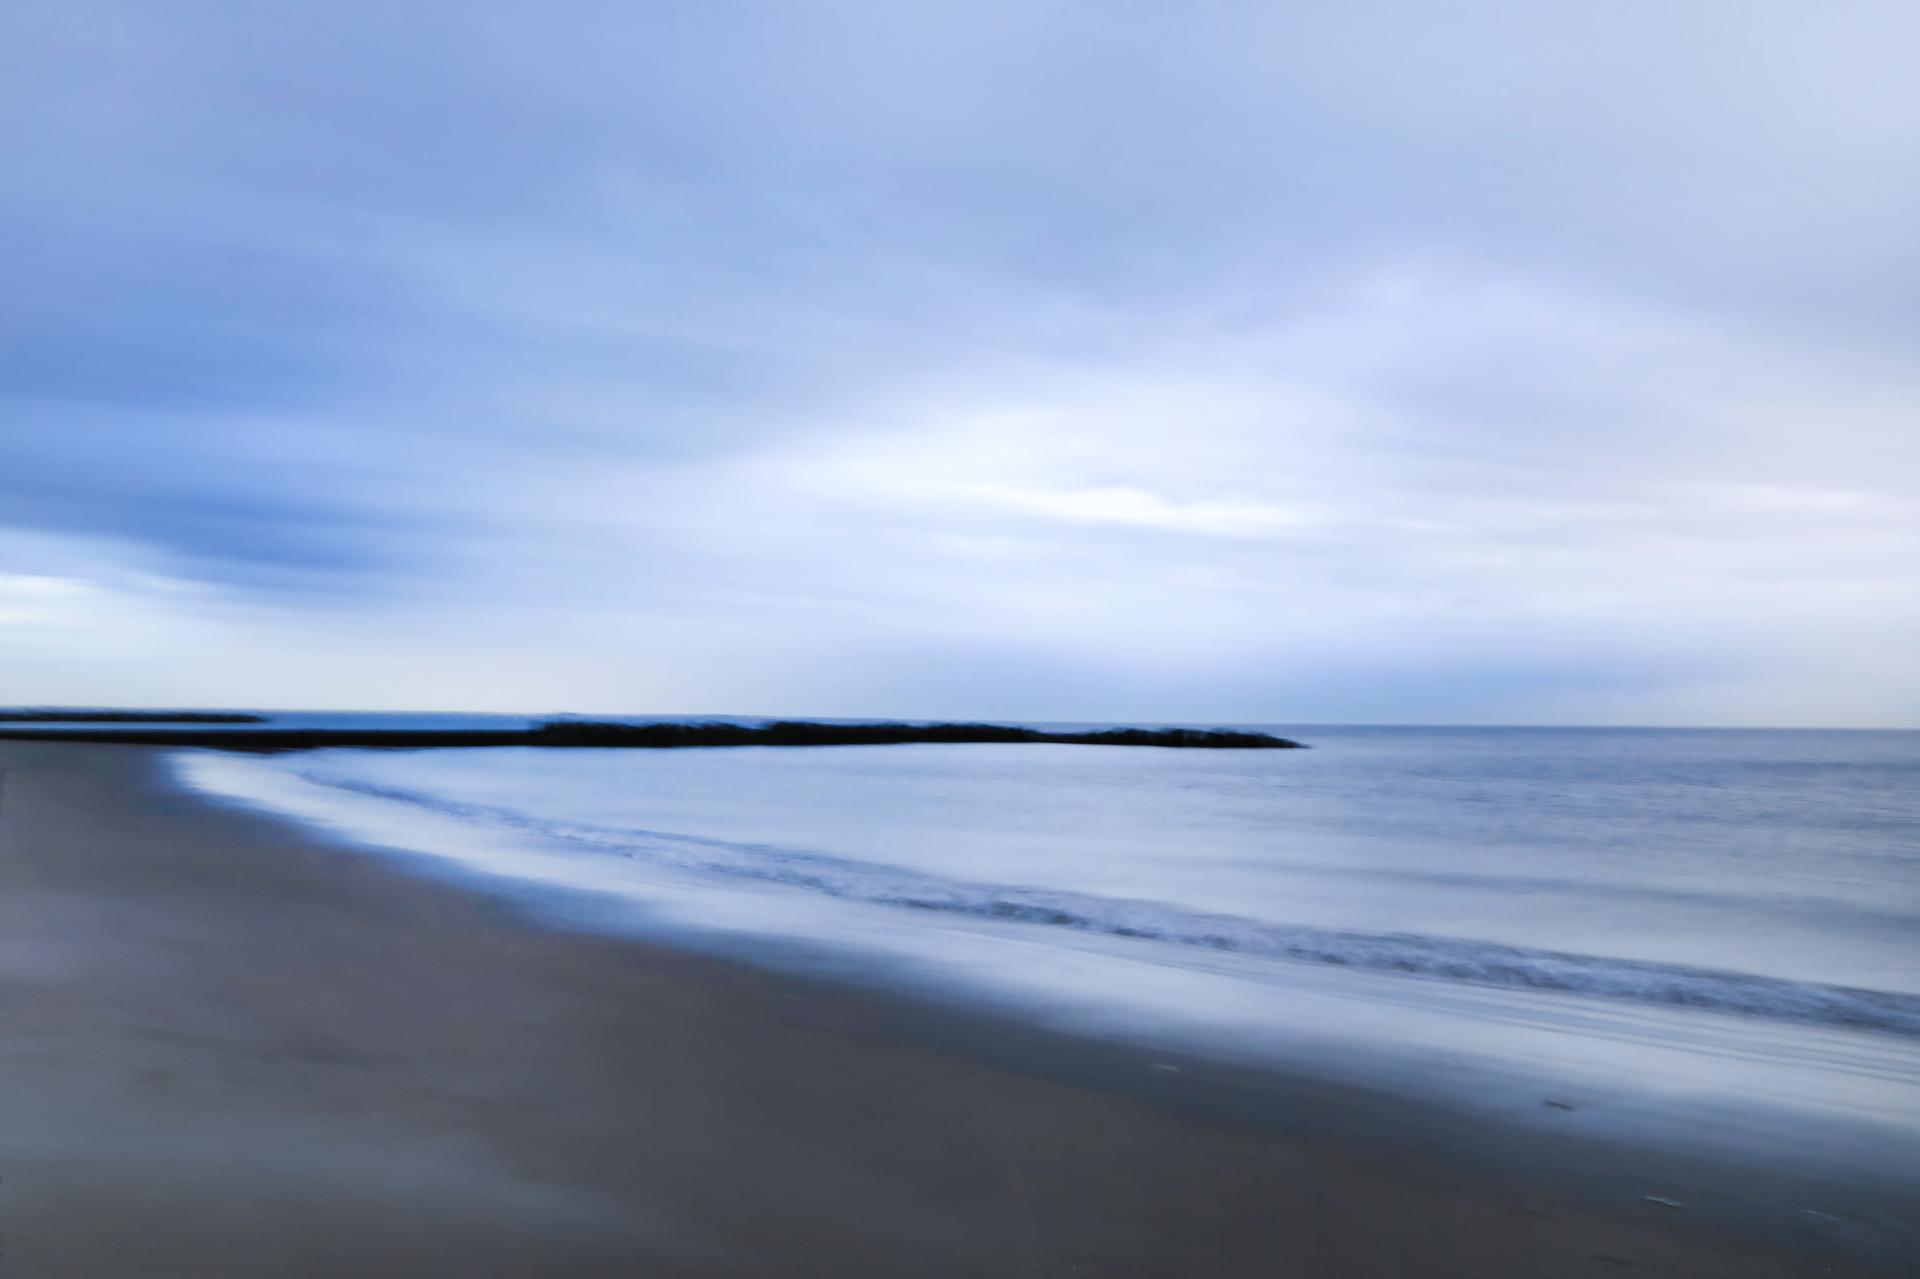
x=230 y=1049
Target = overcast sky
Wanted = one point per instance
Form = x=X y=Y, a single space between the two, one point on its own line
x=1285 y=362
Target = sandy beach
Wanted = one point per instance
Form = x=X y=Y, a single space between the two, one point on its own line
x=228 y=1047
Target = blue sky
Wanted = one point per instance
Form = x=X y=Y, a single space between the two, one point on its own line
x=1259 y=362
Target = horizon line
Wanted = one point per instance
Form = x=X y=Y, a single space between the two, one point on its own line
x=41 y=707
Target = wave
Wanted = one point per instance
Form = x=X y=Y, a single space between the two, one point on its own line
x=1444 y=958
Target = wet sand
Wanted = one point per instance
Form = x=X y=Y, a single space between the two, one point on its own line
x=228 y=1048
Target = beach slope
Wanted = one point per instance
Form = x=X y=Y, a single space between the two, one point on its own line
x=229 y=1048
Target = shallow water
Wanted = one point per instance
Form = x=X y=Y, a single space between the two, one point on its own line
x=1704 y=918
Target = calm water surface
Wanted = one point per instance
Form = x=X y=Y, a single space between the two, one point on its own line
x=1724 y=917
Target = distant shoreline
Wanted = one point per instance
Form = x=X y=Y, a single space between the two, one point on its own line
x=55 y=715
x=659 y=735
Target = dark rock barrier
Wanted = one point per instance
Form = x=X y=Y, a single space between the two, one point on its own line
x=666 y=734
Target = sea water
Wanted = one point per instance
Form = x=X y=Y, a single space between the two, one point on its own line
x=1694 y=927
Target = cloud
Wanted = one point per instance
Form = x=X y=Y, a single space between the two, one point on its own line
x=1248 y=362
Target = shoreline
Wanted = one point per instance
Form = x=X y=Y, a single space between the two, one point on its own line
x=176 y=968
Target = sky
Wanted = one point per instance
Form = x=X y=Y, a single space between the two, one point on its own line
x=1283 y=362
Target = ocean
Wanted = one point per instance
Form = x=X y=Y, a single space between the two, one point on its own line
x=1714 y=934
